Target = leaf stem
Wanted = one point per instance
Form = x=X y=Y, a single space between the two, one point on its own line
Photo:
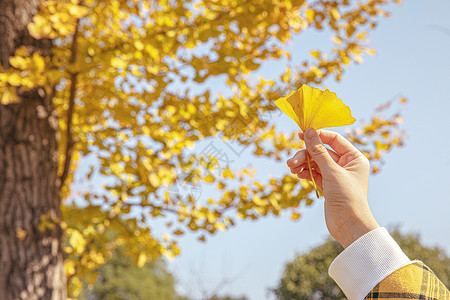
x=312 y=177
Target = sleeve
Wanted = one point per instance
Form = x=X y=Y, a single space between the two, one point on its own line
x=414 y=281
x=374 y=267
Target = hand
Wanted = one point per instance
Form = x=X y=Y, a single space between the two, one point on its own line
x=343 y=176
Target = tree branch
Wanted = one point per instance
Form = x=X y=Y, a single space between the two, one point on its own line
x=73 y=84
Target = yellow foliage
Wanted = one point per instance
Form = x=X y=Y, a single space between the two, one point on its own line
x=56 y=18
x=295 y=216
x=21 y=234
x=69 y=267
x=141 y=260
x=380 y=134
x=77 y=241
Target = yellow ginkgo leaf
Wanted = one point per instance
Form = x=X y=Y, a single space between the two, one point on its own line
x=312 y=107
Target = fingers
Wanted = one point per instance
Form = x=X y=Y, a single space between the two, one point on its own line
x=305 y=174
x=318 y=151
x=300 y=158
x=302 y=167
x=336 y=141
x=298 y=169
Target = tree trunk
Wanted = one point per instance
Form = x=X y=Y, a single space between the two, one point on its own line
x=31 y=261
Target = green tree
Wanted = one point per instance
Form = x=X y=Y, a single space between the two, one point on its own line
x=121 y=279
x=306 y=277
x=82 y=77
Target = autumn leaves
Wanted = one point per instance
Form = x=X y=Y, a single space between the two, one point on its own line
x=312 y=107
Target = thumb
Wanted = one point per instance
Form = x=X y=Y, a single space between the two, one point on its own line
x=317 y=150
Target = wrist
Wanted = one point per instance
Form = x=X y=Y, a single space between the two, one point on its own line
x=356 y=229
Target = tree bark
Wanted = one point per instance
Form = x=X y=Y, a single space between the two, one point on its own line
x=31 y=260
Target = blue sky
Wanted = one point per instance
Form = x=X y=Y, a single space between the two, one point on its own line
x=412 y=189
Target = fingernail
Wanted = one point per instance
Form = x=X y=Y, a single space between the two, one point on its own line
x=310 y=133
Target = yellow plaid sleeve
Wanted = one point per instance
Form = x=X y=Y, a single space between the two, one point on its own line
x=413 y=281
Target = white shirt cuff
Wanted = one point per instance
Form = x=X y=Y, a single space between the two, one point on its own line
x=366 y=262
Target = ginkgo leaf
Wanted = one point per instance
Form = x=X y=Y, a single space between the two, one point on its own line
x=312 y=107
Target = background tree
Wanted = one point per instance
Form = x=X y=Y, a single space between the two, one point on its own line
x=115 y=79
x=306 y=277
x=121 y=279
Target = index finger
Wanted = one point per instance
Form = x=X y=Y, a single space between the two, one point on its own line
x=336 y=141
x=300 y=158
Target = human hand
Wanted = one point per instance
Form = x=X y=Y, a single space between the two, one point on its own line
x=343 y=176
